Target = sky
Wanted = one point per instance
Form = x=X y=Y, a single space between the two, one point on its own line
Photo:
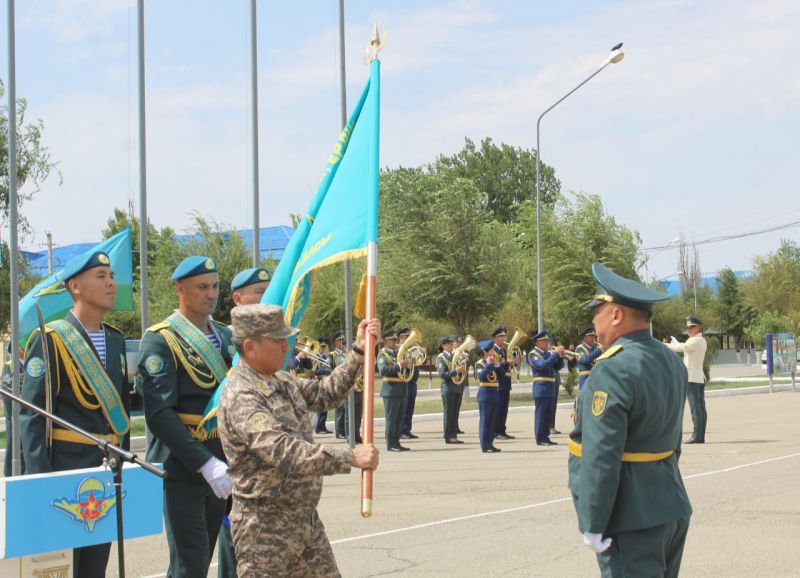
x=694 y=133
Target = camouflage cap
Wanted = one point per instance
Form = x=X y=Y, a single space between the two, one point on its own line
x=260 y=320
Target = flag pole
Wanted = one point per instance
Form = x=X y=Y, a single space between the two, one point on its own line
x=13 y=249
x=254 y=130
x=143 y=223
x=370 y=345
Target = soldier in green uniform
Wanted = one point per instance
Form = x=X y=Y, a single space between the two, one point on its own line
x=247 y=288
x=393 y=391
x=626 y=486
x=182 y=361
x=89 y=386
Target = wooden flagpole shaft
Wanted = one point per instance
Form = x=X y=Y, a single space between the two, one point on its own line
x=369 y=376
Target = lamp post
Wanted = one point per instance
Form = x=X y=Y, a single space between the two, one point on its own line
x=615 y=56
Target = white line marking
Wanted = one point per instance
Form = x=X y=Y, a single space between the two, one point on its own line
x=518 y=508
x=540 y=504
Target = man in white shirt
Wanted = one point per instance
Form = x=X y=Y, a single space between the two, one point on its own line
x=694 y=352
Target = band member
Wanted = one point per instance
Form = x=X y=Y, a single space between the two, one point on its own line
x=248 y=286
x=489 y=371
x=544 y=366
x=451 y=392
x=301 y=364
x=588 y=352
x=402 y=335
x=393 y=391
x=457 y=341
x=321 y=370
x=88 y=387
x=504 y=385
x=182 y=362
x=337 y=358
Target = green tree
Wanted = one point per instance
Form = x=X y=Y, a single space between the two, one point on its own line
x=774 y=286
x=732 y=312
x=34 y=163
x=768 y=322
x=506 y=174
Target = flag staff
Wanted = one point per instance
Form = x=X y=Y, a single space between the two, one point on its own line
x=254 y=130
x=143 y=223
x=13 y=249
x=375 y=46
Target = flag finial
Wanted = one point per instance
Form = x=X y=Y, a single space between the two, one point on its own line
x=376 y=43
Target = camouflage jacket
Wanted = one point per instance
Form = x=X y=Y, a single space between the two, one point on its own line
x=267 y=437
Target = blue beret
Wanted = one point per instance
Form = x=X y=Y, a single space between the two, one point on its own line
x=612 y=288
x=499 y=331
x=192 y=266
x=84 y=262
x=249 y=277
x=541 y=335
x=589 y=331
x=691 y=321
x=485 y=345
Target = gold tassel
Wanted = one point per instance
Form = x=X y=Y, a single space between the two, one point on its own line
x=360 y=306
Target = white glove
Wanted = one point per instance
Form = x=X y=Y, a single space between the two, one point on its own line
x=596 y=542
x=216 y=474
x=672 y=339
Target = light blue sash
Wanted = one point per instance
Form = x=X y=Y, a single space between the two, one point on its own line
x=95 y=375
x=200 y=343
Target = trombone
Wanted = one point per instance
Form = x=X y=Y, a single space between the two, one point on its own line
x=311 y=347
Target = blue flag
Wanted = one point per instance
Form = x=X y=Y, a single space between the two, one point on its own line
x=342 y=218
x=52 y=296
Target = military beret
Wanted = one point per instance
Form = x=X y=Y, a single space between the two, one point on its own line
x=485 y=345
x=258 y=319
x=84 y=262
x=446 y=340
x=541 y=335
x=589 y=331
x=403 y=331
x=390 y=334
x=499 y=331
x=249 y=277
x=693 y=321
x=192 y=266
x=613 y=288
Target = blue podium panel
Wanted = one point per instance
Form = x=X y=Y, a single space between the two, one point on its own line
x=45 y=512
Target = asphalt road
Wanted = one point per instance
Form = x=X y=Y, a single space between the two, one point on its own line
x=453 y=511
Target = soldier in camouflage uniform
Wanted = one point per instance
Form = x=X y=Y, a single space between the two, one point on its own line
x=276 y=466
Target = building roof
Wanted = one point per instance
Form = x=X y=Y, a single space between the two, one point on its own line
x=672 y=284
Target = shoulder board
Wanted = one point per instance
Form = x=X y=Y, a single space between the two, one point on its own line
x=158 y=327
x=111 y=327
x=610 y=353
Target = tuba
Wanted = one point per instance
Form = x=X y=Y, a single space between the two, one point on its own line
x=461 y=358
x=515 y=353
x=413 y=353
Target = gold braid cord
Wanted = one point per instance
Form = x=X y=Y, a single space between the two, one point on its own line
x=203 y=379
x=79 y=387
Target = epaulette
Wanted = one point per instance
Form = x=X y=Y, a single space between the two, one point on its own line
x=113 y=328
x=610 y=353
x=158 y=327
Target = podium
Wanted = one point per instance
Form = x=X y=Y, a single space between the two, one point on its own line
x=44 y=516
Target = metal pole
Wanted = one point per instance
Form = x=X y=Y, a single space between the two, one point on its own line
x=254 y=128
x=143 y=222
x=348 y=291
x=49 y=253
x=540 y=314
x=13 y=249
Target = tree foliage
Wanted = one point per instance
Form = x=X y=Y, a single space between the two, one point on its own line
x=34 y=163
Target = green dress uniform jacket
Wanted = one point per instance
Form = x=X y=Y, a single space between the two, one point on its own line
x=174 y=403
x=624 y=450
x=443 y=368
x=393 y=385
x=69 y=402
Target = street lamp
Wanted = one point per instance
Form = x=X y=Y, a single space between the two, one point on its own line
x=615 y=56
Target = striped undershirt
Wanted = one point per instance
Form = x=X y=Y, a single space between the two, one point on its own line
x=99 y=341
x=212 y=337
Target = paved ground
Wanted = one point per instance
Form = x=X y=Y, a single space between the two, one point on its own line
x=453 y=511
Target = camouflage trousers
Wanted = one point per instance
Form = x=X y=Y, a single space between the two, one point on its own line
x=280 y=544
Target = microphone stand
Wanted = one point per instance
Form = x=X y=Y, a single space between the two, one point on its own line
x=115 y=457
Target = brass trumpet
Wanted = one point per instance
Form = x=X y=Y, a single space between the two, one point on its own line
x=570 y=354
x=311 y=347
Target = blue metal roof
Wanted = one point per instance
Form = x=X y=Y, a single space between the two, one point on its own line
x=272 y=242
x=672 y=284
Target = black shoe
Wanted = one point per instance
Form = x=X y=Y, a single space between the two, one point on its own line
x=341 y=437
x=453 y=441
x=547 y=443
x=510 y=437
x=394 y=449
x=491 y=450
x=694 y=441
x=359 y=440
x=323 y=431
x=459 y=431
x=412 y=436
x=502 y=436
x=403 y=448
x=554 y=431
